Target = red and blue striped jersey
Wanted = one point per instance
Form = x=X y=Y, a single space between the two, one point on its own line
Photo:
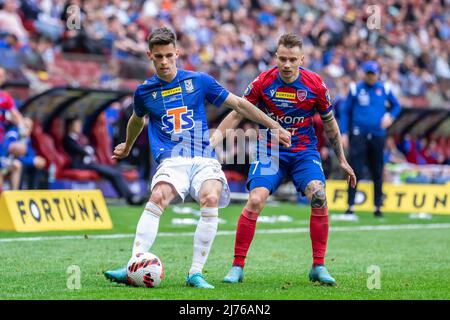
x=293 y=105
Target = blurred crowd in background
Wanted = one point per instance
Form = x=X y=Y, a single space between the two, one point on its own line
x=102 y=43
x=235 y=39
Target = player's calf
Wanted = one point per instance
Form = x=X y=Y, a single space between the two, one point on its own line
x=315 y=191
x=245 y=231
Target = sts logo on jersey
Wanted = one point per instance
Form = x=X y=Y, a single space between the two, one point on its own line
x=177 y=120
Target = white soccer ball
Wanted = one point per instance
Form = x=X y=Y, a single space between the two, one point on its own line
x=145 y=270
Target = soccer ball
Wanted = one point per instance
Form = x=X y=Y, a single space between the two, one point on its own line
x=145 y=270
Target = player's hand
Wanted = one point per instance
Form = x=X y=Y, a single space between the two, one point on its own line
x=120 y=151
x=351 y=177
x=282 y=136
x=386 y=121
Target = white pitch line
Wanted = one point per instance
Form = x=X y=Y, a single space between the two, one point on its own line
x=233 y=232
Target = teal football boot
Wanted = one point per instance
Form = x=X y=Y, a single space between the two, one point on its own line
x=235 y=275
x=198 y=281
x=320 y=273
x=118 y=275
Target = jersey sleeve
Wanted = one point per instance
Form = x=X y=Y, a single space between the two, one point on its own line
x=253 y=91
x=215 y=93
x=139 y=104
x=323 y=99
x=8 y=102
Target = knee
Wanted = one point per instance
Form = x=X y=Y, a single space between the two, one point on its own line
x=256 y=201
x=209 y=200
x=16 y=165
x=319 y=199
x=159 y=199
x=315 y=191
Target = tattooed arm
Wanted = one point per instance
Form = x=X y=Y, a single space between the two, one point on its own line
x=334 y=136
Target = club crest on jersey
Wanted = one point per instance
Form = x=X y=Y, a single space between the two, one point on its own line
x=177 y=120
x=301 y=95
x=188 y=85
x=248 y=89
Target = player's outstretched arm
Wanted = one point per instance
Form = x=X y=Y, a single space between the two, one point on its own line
x=251 y=112
x=332 y=131
x=231 y=121
x=134 y=128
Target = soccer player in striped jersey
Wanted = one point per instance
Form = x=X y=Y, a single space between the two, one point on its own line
x=290 y=95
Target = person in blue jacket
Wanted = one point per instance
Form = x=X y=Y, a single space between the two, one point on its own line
x=33 y=166
x=370 y=108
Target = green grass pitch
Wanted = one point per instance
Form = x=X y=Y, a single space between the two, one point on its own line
x=414 y=261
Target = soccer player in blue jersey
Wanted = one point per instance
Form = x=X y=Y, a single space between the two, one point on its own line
x=291 y=95
x=174 y=101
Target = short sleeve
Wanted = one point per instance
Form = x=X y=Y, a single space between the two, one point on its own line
x=323 y=99
x=7 y=102
x=253 y=91
x=139 y=104
x=215 y=93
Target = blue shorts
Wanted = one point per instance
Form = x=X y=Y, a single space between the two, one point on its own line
x=301 y=167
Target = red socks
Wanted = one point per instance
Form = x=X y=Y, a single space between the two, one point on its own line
x=246 y=230
x=244 y=235
x=318 y=229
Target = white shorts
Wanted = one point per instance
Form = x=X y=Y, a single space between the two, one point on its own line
x=188 y=174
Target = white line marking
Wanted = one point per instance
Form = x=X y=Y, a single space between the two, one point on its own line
x=233 y=232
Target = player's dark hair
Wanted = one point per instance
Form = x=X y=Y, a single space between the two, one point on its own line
x=161 y=37
x=290 y=40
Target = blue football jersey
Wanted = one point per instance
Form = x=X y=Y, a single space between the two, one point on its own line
x=177 y=117
x=365 y=106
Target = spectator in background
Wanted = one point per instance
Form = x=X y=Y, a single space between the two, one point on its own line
x=33 y=57
x=224 y=35
x=11 y=51
x=9 y=115
x=10 y=165
x=410 y=148
x=364 y=120
x=33 y=165
x=83 y=157
x=10 y=21
x=391 y=152
x=113 y=114
x=434 y=95
x=17 y=147
x=432 y=153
